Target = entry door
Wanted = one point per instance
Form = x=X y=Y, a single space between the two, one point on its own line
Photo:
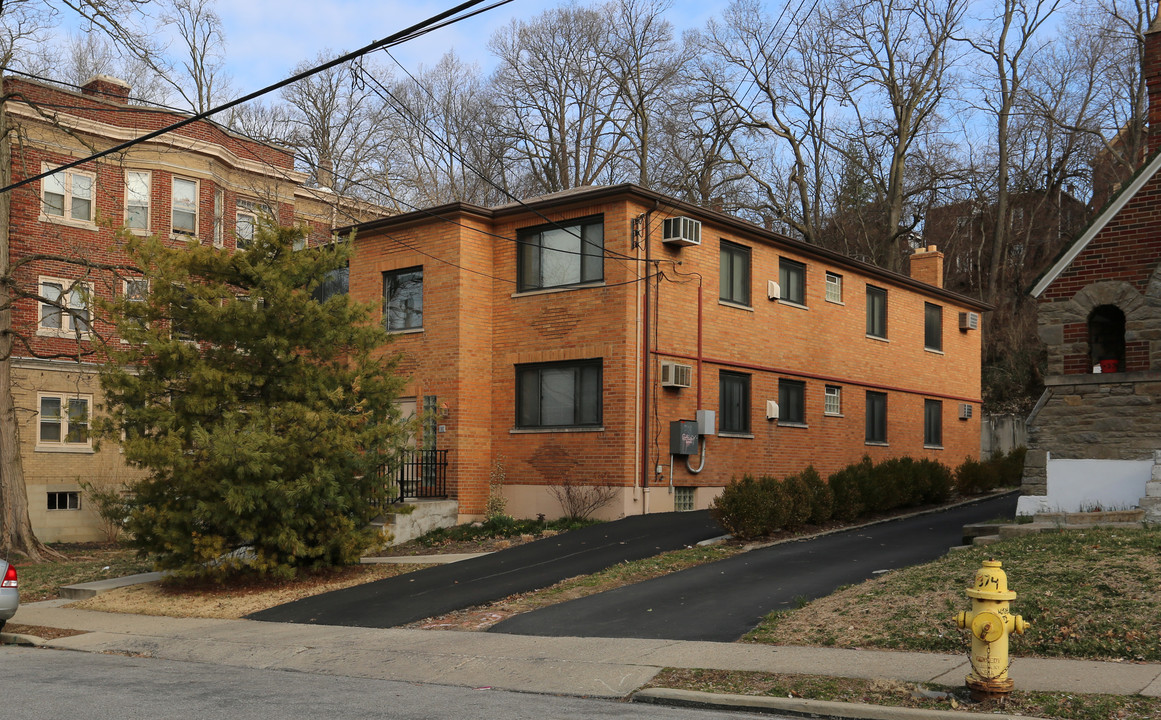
x=407 y=409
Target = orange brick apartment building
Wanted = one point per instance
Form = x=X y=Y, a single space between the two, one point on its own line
x=558 y=338
x=199 y=181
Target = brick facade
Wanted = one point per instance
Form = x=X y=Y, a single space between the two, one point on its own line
x=54 y=127
x=479 y=333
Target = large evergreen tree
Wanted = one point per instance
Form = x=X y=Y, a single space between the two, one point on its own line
x=260 y=413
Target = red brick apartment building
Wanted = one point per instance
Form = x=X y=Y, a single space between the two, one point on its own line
x=199 y=181
x=560 y=337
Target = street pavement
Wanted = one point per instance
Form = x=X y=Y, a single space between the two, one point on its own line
x=447 y=588
x=594 y=667
x=724 y=600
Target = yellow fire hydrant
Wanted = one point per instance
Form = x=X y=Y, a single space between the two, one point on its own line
x=991 y=623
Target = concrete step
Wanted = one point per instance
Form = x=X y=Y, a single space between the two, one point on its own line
x=986 y=540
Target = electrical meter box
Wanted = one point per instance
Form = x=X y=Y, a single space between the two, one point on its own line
x=683 y=437
x=706 y=422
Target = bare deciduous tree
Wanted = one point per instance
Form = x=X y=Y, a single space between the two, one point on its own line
x=896 y=71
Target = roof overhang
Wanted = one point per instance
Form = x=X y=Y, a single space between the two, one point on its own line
x=1117 y=204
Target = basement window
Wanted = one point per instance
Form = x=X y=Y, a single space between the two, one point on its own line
x=66 y=500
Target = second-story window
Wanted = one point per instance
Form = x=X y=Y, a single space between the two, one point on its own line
x=137 y=195
x=403 y=299
x=834 y=287
x=932 y=327
x=68 y=194
x=876 y=312
x=246 y=221
x=735 y=273
x=567 y=253
x=64 y=308
x=792 y=281
x=185 y=206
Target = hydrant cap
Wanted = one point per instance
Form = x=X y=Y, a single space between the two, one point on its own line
x=991 y=583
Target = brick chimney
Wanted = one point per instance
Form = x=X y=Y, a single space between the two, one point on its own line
x=1152 y=73
x=927 y=266
x=106 y=87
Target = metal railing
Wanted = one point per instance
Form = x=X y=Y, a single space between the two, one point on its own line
x=422 y=474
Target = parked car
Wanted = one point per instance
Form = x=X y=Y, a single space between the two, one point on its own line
x=9 y=595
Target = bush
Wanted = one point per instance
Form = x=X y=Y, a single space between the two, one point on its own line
x=937 y=481
x=1011 y=467
x=798 y=501
x=822 y=497
x=741 y=509
x=847 y=493
x=973 y=477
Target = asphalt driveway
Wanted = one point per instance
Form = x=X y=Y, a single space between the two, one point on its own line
x=724 y=600
x=446 y=588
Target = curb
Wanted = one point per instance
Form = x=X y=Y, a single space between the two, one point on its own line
x=801 y=706
x=18 y=639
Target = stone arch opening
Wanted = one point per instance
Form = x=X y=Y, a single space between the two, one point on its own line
x=1106 y=338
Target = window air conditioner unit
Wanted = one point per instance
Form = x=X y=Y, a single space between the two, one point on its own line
x=969 y=321
x=965 y=412
x=681 y=231
x=676 y=375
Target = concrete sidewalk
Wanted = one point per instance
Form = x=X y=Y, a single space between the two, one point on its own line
x=598 y=667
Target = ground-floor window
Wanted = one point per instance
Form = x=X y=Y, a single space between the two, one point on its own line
x=64 y=500
x=933 y=423
x=683 y=499
x=733 y=402
x=876 y=417
x=560 y=394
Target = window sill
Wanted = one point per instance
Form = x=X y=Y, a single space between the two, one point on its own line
x=739 y=306
x=743 y=436
x=877 y=338
x=408 y=331
x=836 y=302
x=534 y=431
x=932 y=447
x=834 y=415
x=933 y=351
x=69 y=222
x=877 y=444
x=563 y=288
x=77 y=449
x=789 y=424
x=791 y=303
x=66 y=334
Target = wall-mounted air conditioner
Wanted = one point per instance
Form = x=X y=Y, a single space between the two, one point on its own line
x=965 y=411
x=676 y=375
x=969 y=321
x=773 y=290
x=681 y=231
x=771 y=410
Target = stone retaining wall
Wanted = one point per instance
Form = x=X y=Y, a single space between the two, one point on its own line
x=1092 y=417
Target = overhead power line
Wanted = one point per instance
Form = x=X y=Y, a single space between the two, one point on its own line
x=415 y=30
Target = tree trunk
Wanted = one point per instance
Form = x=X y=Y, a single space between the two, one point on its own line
x=16 y=535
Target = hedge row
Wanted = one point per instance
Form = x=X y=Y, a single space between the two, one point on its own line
x=750 y=508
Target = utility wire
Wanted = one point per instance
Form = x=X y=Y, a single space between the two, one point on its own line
x=413 y=31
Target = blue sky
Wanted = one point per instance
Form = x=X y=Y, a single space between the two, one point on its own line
x=266 y=39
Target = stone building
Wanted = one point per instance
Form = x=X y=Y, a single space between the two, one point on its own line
x=1095 y=434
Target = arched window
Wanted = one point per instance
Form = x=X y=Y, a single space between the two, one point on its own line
x=1106 y=338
